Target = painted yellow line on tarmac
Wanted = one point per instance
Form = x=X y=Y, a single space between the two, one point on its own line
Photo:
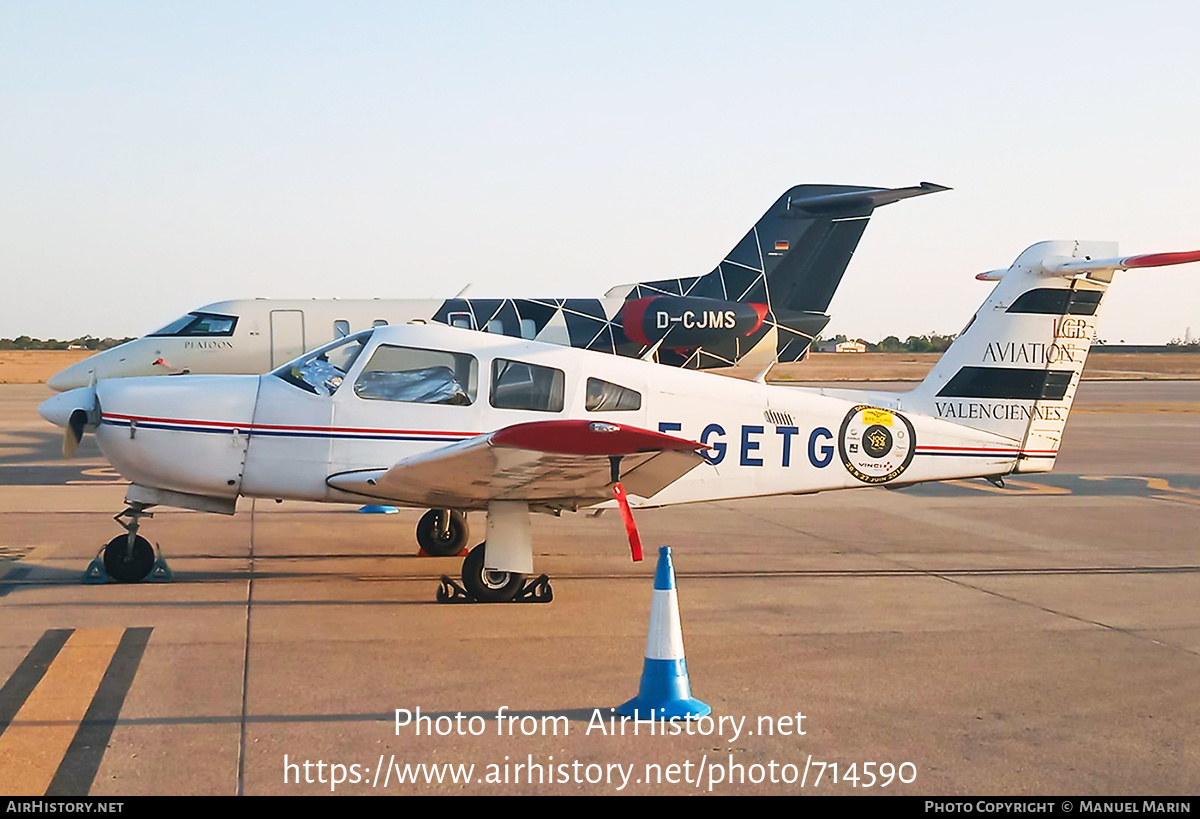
x=1013 y=487
x=37 y=740
x=106 y=473
x=1152 y=483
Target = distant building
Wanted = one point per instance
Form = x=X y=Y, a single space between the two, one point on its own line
x=843 y=347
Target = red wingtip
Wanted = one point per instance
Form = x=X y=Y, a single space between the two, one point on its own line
x=1163 y=259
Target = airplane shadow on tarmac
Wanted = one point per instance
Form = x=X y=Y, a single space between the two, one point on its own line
x=29 y=447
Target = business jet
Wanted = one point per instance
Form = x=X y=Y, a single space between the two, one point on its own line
x=442 y=417
x=766 y=298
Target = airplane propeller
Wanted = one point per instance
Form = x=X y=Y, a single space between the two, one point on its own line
x=73 y=432
x=75 y=411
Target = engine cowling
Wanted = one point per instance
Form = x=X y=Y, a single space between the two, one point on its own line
x=685 y=322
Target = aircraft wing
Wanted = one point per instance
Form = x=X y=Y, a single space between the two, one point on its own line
x=557 y=464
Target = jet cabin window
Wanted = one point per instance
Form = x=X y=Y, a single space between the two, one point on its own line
x=605 y=397
x=418 y=376
x=200 y=324
x=516 y=385
x=323 y=370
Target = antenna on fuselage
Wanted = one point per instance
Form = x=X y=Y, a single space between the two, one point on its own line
x=761 y=378
x=652 y=353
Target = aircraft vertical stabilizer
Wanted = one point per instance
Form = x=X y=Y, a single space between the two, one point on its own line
x=791 y=262
x=1016 y=366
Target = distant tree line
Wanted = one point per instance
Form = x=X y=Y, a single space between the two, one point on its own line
x=929 y=343
x=82 y=343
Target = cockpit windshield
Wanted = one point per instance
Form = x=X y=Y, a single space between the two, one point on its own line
x=200 y=324
x=323 y=370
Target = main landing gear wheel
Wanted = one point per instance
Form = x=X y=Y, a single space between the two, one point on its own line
x=487 y=585
x=441 y=537
x=126 y=565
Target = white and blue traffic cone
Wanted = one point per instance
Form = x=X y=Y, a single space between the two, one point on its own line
x=377 y=509
x=665 y=691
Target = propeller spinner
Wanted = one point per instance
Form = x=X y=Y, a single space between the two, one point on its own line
x=76 y=411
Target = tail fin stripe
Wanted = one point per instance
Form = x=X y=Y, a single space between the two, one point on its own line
x=762 y=263
x=1057 y=302
x=757 y=270
x=1018 y=383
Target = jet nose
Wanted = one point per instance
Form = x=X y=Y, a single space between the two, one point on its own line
x=57 y=409
x=77 y=375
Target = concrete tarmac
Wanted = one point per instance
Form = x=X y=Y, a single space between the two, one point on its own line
x=1040 y=639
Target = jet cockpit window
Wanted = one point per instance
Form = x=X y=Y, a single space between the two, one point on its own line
x=419 y=376
x=605 y=397
x=516 y=385
x=323 y=370
x=200 y=324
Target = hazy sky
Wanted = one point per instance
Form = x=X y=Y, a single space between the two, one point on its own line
x=157 y=156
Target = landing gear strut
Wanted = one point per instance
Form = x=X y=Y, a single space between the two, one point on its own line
x=480 y=585
x=129 y=558
x=443 y=532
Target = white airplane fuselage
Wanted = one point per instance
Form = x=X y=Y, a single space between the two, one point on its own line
x=264 y=334
x=262 y=436
x=447 y=418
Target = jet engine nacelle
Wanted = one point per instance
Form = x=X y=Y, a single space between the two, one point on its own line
x=688 y=321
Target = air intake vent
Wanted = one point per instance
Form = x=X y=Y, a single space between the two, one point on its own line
x=779 y=419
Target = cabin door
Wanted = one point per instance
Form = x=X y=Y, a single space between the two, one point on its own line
x=287 y=336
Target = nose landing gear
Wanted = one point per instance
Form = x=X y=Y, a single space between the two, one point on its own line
x=443 y=532
x=128 y=558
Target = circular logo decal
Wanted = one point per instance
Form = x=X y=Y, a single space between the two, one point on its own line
x=876 y=445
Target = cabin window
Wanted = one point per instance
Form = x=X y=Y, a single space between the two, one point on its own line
x=494 y=326
x=341 y=328
x=418 y=376
x=528 y=329
x=605 y=397
x=379 y=323
x=200 y=324
x=517 y=385
x=323 y=370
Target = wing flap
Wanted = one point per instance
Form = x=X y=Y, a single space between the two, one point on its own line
x=556 y=463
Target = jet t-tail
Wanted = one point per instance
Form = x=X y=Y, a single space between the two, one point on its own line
x=765 y=301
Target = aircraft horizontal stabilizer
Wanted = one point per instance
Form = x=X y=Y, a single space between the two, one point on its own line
x=561 y=464
x=856 y=199
x=1067 y=266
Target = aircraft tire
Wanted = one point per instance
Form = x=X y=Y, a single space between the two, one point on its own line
x=131 y=569
x=489 y=586
x=429 y=538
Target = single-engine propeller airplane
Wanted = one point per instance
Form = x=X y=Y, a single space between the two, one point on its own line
x=430 y=416
x=765 y=300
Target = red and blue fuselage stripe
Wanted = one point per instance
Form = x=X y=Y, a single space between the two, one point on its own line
x=447 y=436
x=984 y=452
x=282 y=430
